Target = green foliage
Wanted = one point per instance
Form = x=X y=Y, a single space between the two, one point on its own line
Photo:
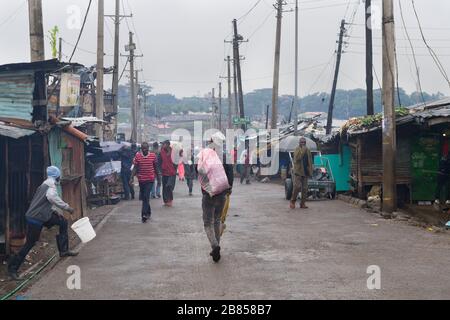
x=54 y=41
x=348 y=103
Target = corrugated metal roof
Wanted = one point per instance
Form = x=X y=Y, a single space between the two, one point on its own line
x=16 y=94
x=14 y=132
x=45 y=66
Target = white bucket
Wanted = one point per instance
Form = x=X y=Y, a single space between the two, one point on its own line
x=84 y=230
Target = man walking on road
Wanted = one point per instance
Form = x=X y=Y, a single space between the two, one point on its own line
x=145 y=167
x=302 y=171
x=168 y=172
x=43 y=213
x=156 y=190
x=213 y=207
x=126 y=158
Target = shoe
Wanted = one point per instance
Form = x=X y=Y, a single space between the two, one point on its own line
x=215 y=254
x=190 y=194
x=292 y=205
x=68 y=254
x=14 y=276
x=158 y=196
x=303 y=206
x=144 y=220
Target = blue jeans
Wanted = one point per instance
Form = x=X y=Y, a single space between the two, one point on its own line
x=156 y=190
x=127 y=188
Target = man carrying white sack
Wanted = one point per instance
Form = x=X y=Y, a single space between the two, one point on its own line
x=216 y=180
x=43 y=213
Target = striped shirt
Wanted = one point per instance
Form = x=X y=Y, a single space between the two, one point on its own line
x=146 y=166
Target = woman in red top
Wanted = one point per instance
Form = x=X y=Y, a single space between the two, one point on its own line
x=145 y=167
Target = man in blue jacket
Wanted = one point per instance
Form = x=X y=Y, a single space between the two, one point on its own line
x=43 y=213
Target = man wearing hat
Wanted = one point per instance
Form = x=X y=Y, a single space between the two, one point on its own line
x=42 y=213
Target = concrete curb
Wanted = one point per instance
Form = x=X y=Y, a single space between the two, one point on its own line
x=353 y=201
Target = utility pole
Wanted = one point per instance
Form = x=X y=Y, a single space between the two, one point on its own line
x=213 y=108
x=236 y=41
x=230 y=105
x=220 y=106
x=267 y=117
x=138 y=108
x=236 y=100
x=369 y=58
x=115 y=84
x=37 y=46
x=60 y=50
x=389 y=125
x=276 y=72
x=296 y=71
x=336 y=74
x=131 y=47
x=99 y=103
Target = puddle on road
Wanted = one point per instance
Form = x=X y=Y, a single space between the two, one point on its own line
x=292 y=256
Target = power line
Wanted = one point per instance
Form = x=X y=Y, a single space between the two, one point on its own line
x=261 y=25
x=81 y=31
x=412 y=50
x=249 y=11
x=432 y=53
x=14 y=14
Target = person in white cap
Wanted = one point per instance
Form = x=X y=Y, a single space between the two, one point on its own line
x=43 y=213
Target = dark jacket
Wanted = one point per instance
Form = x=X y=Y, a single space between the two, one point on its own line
x=44 y=202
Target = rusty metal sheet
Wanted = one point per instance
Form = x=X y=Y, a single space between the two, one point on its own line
x=14 y=132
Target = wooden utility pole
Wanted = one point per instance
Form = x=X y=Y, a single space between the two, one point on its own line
x=230 y=104
x=276 y=72
x=236 y=100
x=138 y=108
x=131 y=48
x=117 y=17
x=336 y=75
x=99 y=101
x=115 y=84
x=389 y=125
x=37 y=47
x=213 y=108
x=60 y=50
x=296 y=71
x=236 y=40
x=369 y=58
x=220 y=106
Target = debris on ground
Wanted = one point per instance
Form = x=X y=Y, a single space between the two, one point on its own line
x=265 y=180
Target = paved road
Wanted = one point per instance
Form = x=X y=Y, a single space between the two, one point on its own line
x=269 y=252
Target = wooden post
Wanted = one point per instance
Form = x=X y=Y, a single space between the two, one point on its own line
x=8 y=218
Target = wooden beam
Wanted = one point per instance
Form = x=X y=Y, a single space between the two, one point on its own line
x=8 y=218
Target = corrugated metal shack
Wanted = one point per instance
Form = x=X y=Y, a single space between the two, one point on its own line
x=422 y=134
x=28 y=144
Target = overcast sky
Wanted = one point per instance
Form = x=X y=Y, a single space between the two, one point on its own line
x=183 y=41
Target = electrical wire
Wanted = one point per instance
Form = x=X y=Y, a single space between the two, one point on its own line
x=81 y=31
x=432 y=53
x=413 y=52
x=14 y=14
